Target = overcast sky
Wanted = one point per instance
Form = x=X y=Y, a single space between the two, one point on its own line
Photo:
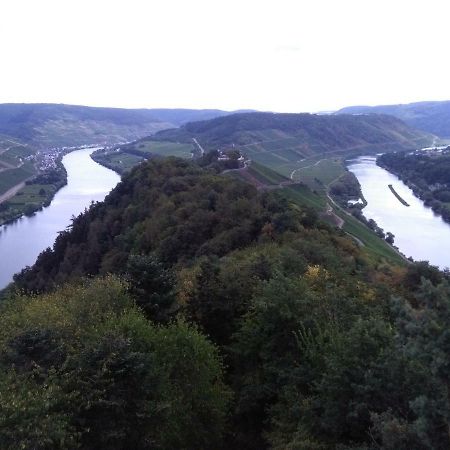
x=279 y=55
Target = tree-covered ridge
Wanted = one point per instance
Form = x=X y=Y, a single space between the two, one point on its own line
x=171 y=208
x=274 y=329
x=322 y=133
x=427 y=174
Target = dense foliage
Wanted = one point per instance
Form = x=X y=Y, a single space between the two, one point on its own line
x=171 y=208
x=428 y=175
x=82 y=368
x=345 y=189
x=243 y=322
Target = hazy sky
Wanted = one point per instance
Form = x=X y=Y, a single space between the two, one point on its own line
x=279 y=55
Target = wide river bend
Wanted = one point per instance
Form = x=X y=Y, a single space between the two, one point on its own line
x=23 y=240
x=418 y=231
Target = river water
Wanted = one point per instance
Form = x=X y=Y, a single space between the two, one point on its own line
x=418 y=231
x=23 y=240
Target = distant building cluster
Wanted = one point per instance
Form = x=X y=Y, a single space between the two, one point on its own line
x=224 y=156
x=439 y=150
x=48 y=159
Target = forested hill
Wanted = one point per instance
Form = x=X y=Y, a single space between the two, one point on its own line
x=213 y=316
x=432 y=117
x=307 y=133
x=168 y=207
x=46 y=125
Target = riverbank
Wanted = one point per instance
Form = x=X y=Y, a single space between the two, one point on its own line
x=38 y=191
x=34 y=194
x=426 y=174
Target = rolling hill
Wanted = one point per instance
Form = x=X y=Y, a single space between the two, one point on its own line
x=286 y=142
x=54 y=125
x=432 y=117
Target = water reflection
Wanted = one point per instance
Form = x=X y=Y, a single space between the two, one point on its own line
x=418 y=231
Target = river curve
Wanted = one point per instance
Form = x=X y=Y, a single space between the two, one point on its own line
x=419 y=232
x=23 y=240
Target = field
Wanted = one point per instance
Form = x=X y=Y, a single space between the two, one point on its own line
x=28 y=200
x=374 y=245
x=287 y=152
x=11 y=177
x=320 y=173
x=303 y=195
x=14 y=169
x=265 y=175
x=164 y=148
x=290 y=157
x=123 y=161
x=33 y=193
x=125 y=158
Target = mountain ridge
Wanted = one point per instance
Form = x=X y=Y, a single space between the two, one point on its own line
x=49 y=124
x=429 y=116
x=226 y=130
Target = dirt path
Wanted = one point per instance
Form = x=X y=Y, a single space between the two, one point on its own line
x=306 y=167
x=202 y=150
x=338 y=221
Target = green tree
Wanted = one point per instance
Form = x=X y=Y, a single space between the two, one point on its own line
x=82 y=367
x=151 y=285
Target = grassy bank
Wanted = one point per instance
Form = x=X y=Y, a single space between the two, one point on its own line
x=36 y=194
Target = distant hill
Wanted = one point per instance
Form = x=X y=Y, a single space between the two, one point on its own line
x=282 y=141
x=433 y=117
x=307 y=132
x=47 y=125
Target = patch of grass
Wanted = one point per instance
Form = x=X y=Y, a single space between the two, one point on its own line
x=11 y=177
x=9 y=160
x=375 y=246
x=302 y=195
x=182 y=150
x=14 y=155
x=19 y=151
x=33 y=193
x=124 y=159
x=268 y=159
x=27 y=201
x=325 y=171
x=121 y=162
x=291 y=154
x=265 y=175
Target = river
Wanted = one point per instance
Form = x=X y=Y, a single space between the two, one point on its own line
x=418 y=231
x=23 y=240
